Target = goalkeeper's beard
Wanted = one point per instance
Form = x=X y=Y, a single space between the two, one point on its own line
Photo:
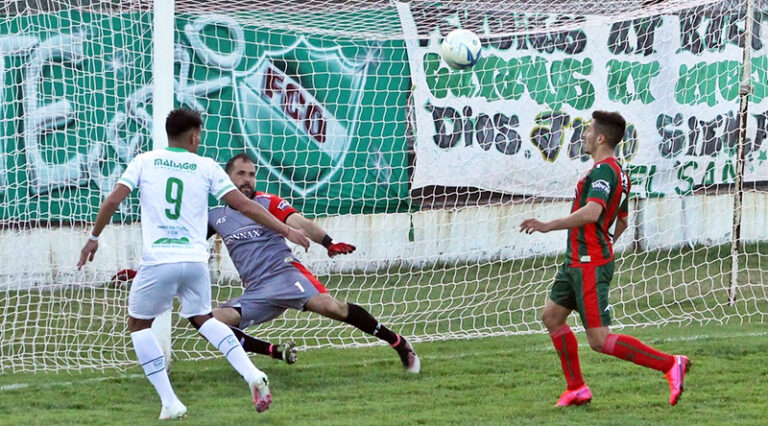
x=247 y=190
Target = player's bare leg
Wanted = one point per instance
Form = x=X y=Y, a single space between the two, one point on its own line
x=554 y=318
x=219 y=335
x=327 y=306
x=631 y=349
x=152 y=362
x=231 y=316
x=227 y=315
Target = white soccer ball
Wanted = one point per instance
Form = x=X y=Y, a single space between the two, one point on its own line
x=461 y=49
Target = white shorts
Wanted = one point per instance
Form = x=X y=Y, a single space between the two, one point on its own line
x=155 y=285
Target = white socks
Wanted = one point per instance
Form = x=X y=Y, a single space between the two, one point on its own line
x=225 y=341
x=152 y=361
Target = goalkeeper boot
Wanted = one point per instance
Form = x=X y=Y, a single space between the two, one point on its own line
x=675 y=376
x=410 y=360
x=176 y=410
x=259 y=385
x=579 y=396
x=288 y=352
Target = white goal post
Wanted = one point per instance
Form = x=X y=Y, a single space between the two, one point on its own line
x=163 y=75
x=352 y=116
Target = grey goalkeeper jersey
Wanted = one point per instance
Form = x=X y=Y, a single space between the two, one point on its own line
x=257 y=252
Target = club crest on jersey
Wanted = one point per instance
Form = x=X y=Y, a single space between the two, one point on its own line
x=288 y=101
x=602 y=186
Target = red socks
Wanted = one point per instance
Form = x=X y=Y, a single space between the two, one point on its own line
x=619 y=345
x=630 y=349
x=568 y=350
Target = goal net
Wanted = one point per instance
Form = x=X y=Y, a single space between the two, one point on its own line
x=352 y=116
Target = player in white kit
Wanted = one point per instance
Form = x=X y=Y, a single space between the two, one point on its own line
x=174 y=185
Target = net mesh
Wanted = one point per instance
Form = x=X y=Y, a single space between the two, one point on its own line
x=354 y=119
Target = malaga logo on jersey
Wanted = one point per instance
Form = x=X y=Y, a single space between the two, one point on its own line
x=170 y=164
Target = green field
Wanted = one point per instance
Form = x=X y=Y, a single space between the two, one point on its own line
x=489 y=380
x=54 y=329
x=508 y=380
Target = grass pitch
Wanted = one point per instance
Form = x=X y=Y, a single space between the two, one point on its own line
x=509 y=380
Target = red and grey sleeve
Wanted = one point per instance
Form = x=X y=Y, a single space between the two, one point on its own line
x=280 y=208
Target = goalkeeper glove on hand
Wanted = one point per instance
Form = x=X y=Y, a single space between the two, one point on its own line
x=336 y=248
x=122 y=276
x=340 y=248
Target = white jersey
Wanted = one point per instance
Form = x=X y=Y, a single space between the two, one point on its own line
x=173 y=188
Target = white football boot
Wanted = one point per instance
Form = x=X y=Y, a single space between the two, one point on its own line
x=259 y=385
x=177 y=410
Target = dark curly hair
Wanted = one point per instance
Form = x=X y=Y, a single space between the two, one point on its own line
x=182 y=119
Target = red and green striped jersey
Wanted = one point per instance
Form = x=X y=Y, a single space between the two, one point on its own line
x=608 y=185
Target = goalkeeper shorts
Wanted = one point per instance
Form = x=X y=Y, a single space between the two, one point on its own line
x=266 y=299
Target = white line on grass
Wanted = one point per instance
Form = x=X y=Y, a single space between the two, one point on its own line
x=14 y=386
x=309 y=366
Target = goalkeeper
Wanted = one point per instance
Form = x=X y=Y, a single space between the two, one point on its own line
x=274 y=281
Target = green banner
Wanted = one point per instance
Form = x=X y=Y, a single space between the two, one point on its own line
x=323 y=117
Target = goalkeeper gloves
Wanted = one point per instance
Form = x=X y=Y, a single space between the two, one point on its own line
x=336 y=248
x=122 y=276
x=340 y=248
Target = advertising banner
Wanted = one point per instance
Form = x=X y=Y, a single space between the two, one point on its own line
x=513 y=123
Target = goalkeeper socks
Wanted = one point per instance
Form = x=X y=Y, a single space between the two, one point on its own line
x=568 y=350
x=152 y=361
x=254 y=345
x=225 y=341
x=630 y=349
x=361 y=319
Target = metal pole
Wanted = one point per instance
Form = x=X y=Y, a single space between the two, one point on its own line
x=745 y=89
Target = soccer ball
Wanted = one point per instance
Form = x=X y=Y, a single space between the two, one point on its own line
x=461 y=49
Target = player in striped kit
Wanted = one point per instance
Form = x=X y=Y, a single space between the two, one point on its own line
x=275 y=281
x=174 y=185
x=582 y=281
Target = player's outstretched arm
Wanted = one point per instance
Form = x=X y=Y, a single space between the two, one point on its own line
x=318 y=235
x=313 y=231
x=260 y=215
x=587 y=214
x=106 y=210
